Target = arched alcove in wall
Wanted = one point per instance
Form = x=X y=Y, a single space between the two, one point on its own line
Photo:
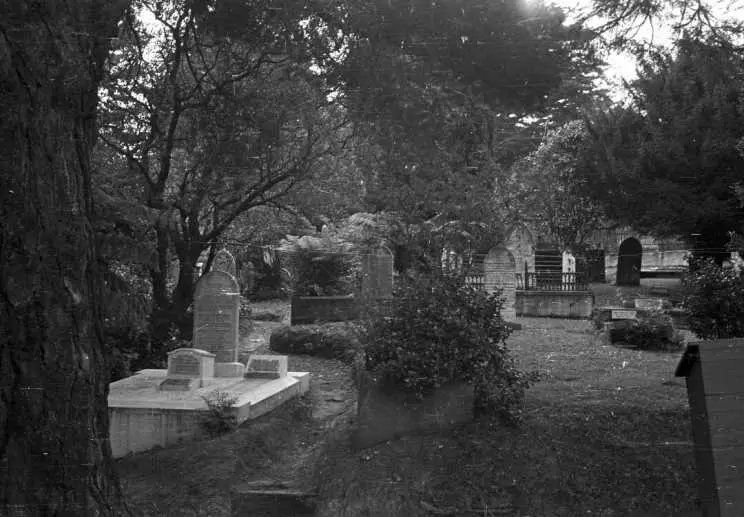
x=629 y=260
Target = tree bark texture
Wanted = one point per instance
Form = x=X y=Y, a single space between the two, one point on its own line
x=55 y=458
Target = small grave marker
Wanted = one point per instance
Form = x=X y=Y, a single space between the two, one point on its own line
x=266 y=367
x=188 y=368
x=649 y=303
x=619 y=314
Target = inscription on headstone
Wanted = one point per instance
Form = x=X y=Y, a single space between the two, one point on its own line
x=185 y=365
x=500 y=273
x=216 y=314
x=267 y=366
x=188 y=368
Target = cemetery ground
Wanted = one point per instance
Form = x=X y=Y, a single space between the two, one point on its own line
x=605 y=432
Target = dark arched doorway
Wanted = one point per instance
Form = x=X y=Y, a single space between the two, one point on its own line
x=629 y=262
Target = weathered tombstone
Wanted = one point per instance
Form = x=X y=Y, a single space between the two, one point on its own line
x=714 y=389
x=377 y=275
x=216 y=314
x=266 y=367
x=188 y=368
x=500 y=272
x=224 y=261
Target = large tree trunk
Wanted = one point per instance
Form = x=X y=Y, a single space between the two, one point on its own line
x=183 y=294
x=55 y=458
x=160 y=318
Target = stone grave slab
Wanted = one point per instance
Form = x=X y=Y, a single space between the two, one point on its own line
x=216 y=317
x=266 y=367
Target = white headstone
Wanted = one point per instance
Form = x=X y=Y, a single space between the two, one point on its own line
x=187 y=368
x=216 y=314
x=569 y=263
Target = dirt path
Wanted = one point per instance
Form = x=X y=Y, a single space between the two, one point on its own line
x=331 y=395
x=194 y=479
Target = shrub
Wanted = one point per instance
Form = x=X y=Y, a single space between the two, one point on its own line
x=438 y=332
x=713 y=300
x=125 y=345
x=654 y=331
x=220 y=417
x=329 y=340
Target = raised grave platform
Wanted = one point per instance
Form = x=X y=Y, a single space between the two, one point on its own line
x=143 y=415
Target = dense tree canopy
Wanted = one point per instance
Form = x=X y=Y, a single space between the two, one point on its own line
x=439 y=88
x=212 y=122
x=548 y=191
x=668 y=163
x=220 y=113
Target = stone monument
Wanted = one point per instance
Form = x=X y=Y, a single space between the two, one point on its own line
x=216 y=318
x=377 y=275
x=500 y=272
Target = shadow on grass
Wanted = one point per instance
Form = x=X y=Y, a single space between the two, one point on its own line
x=605 y=433
x=604 y=460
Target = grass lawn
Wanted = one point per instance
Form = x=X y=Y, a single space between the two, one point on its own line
x=606 y=432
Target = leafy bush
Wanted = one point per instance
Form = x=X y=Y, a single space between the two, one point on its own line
x=654 y=331
x=220 y=417
x=713 y=300
x=125 y=344
x=329 y=340
x=438 y=332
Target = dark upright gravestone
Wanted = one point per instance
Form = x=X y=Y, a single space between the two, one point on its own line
x=500 y=272
x=377 y=275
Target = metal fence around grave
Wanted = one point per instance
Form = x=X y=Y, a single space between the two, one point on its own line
x=539 y=281
x=476 y=281
x=553 y=281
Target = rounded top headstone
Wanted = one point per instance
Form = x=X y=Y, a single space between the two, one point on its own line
x=224 y=261
x=216 y=282
x=501 y=255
